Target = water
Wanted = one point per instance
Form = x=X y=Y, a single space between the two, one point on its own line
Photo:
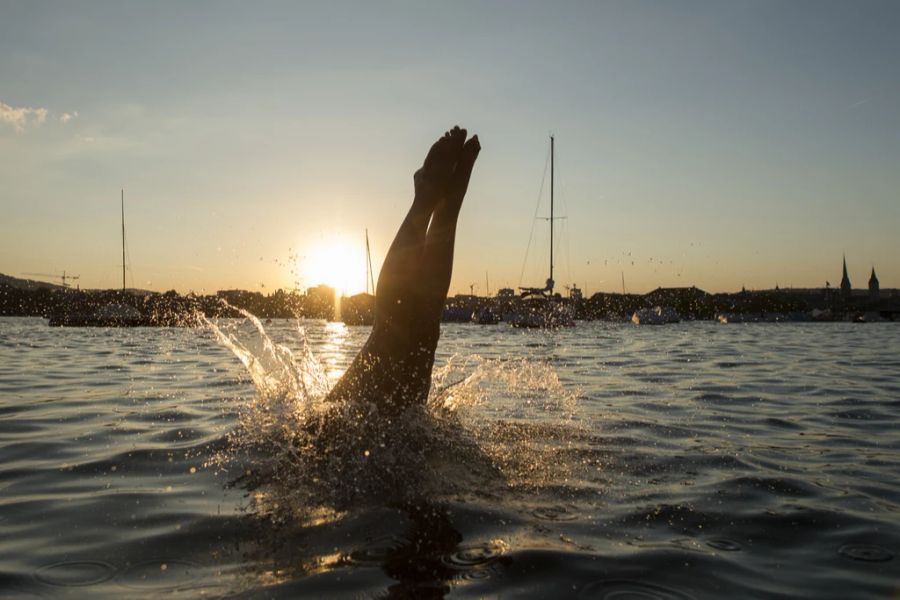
x=608 y=461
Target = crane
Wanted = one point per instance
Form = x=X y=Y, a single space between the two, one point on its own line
x=62 y=277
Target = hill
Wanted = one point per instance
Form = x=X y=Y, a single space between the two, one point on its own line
x=27 y=284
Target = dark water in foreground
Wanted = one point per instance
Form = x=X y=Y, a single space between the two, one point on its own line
x=609 y=461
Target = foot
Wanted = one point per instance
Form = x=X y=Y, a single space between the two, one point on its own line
x=432 y=179
x=459 y=180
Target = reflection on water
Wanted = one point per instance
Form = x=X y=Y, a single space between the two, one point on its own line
x=692 y=461
x=333 y=351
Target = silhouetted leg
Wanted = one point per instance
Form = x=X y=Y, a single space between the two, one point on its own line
x=436 y=270
x=387 y=370
x=437 y=261
x=401 y=265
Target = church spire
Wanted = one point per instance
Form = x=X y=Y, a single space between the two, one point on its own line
x=874 y=291
x=845 y=281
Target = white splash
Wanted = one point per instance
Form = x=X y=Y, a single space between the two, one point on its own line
x=302 y=452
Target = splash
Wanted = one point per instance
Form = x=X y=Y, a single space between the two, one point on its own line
x=515 y=386
x=302 y=454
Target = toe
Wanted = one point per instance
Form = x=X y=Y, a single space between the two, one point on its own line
x=458 y=137
x=471 y=148
x=463 y=171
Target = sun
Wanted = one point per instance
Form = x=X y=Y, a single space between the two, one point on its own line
x=337 y=262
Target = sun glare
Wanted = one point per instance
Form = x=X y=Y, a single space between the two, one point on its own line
x=337 y=262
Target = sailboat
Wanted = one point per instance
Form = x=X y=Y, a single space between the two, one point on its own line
x=540 y=307
x=360 y=309
x=486 y=314
x=111 y=314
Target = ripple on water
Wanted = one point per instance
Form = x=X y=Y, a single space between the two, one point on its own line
x=554 y=513
x=75 y=573
x=159 y=574
x=481 y=572
x=725 y=545
x=378 y=550
x=467 y=557
x=626 y=589
x=865 y=552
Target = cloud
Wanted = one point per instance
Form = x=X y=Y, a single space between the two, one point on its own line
x=20 y=117
x=66 y=117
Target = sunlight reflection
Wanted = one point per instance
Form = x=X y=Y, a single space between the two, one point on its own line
x=336 y=337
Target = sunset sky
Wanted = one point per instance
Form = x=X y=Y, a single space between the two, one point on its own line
x=715 y=144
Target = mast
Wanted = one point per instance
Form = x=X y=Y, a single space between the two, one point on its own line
x=369 y=275
x=123 y=240
x=550 y=281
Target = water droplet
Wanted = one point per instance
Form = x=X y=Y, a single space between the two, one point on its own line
x=866 y=552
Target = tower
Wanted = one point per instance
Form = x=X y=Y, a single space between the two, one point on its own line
x=874 y=290
x=845 y=281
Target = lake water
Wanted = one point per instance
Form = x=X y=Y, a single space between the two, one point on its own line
x=607 y=461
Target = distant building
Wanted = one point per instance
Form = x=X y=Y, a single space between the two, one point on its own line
x=237 y=297
x=322 y=303
x=506 y=293
x=664 y=296
x=688 y=301
x=321 y=293
x=846 y=288
x=874 y=290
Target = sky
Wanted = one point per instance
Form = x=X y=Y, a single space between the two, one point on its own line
x=718 y=144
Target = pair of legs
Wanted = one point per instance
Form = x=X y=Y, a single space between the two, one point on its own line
x=393 y=369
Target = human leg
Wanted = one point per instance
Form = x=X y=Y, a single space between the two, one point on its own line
x=436 y=270
x=391 y=369
x=401 y=268
x=437 y=260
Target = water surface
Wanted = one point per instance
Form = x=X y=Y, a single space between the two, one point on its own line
x=608 y=461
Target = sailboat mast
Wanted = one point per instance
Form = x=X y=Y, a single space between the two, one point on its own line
x=123 y=240
x=369 y=275
x=550 y=281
